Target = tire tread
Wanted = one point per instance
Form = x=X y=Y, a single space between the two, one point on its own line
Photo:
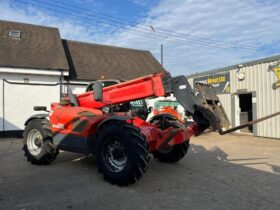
x=141 y=157
x=50 y=152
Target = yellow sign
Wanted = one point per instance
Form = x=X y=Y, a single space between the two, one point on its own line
x=216 y=80
x=277 y=83
x=277 y=71
x=220 y=81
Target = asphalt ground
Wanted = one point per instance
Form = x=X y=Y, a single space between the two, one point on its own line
x=219 y=172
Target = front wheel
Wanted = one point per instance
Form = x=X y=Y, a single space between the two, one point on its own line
x=122 y=153
x=37 y=143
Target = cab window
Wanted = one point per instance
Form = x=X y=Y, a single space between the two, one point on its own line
x=104 y=84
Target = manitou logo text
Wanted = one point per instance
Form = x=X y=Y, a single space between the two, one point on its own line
x=276 y=70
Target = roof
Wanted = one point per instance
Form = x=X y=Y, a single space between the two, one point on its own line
x=38 y=48
x=93 y=61
x=228 y=68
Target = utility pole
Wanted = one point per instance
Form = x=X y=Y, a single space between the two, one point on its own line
x=154 y=32
x=161 y=54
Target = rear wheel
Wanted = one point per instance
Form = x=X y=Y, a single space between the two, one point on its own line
x=172 y=154
x=37 y=144
x=169 y=154
x=122 y=153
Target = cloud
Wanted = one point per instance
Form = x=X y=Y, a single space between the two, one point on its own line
x=251 y=26
x=142 y=3
x=68 y=28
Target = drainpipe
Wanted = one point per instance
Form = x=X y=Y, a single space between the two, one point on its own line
x=3 y=101
x=60 y=85
x=161 y=55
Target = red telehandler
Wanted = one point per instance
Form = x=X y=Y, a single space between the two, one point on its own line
x=122 y=143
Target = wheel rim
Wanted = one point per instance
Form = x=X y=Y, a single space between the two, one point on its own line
x=34 y=142
x=115 y=155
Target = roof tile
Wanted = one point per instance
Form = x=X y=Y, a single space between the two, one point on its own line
x=38 y=48
x=93 y=61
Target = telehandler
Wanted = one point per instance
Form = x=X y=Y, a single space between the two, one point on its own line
x=86 y=123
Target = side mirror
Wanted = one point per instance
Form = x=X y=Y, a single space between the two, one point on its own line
x=40 y=108
x=98 y=91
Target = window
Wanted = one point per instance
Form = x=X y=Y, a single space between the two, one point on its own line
x=104 y=84
x=15 y=34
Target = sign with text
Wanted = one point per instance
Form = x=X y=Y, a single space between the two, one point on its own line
x=277 y=83
x=276 y=70
x=220 y=81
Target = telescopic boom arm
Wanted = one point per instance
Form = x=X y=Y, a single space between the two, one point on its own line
x=204 y=106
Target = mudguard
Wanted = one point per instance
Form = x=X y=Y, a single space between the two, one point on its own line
x=36 y=116
x=115 y=118
x=163 y=115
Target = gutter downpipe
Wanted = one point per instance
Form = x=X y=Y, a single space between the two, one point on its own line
x=3 y=103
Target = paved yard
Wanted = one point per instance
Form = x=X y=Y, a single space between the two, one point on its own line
x=219 y=172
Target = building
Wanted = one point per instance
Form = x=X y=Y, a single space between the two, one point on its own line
x=248 y=91
x=88 y=62
x=32 y=66
x=36 y=67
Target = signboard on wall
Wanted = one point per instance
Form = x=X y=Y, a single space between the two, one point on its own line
x=276 y=70
x=220 y=81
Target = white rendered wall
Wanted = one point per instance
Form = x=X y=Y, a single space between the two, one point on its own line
x=76 y=87
x=19 y=99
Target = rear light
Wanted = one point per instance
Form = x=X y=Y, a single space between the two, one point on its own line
x=130 y=121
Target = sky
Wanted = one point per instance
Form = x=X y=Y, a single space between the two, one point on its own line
x=197 y=35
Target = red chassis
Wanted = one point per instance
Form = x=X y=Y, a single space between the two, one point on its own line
x=63 y=124
x=88 y=115
x=122 y=143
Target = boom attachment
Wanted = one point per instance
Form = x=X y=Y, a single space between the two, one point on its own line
x=203 y=105
x=212 y=109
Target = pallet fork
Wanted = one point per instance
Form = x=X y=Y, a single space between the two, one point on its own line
x=215 y=111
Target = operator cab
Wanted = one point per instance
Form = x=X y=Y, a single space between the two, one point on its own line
x=138 y=108
x=105 y=83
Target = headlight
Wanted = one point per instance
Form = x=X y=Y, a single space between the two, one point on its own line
x=106 y=109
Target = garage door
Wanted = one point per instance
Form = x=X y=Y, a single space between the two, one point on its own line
x=19 y=99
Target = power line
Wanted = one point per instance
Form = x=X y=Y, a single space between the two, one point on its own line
x=169 y=32
x=55 y=8
x=250 y=47
x=133 y=30
x=125 y=28
x=121 y=20
x=163 y=35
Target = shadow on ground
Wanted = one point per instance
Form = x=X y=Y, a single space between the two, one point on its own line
x=204 y=179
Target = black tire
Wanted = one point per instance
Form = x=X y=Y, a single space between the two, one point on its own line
x=47 y=153
x=132 y=152
x=174 y=153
